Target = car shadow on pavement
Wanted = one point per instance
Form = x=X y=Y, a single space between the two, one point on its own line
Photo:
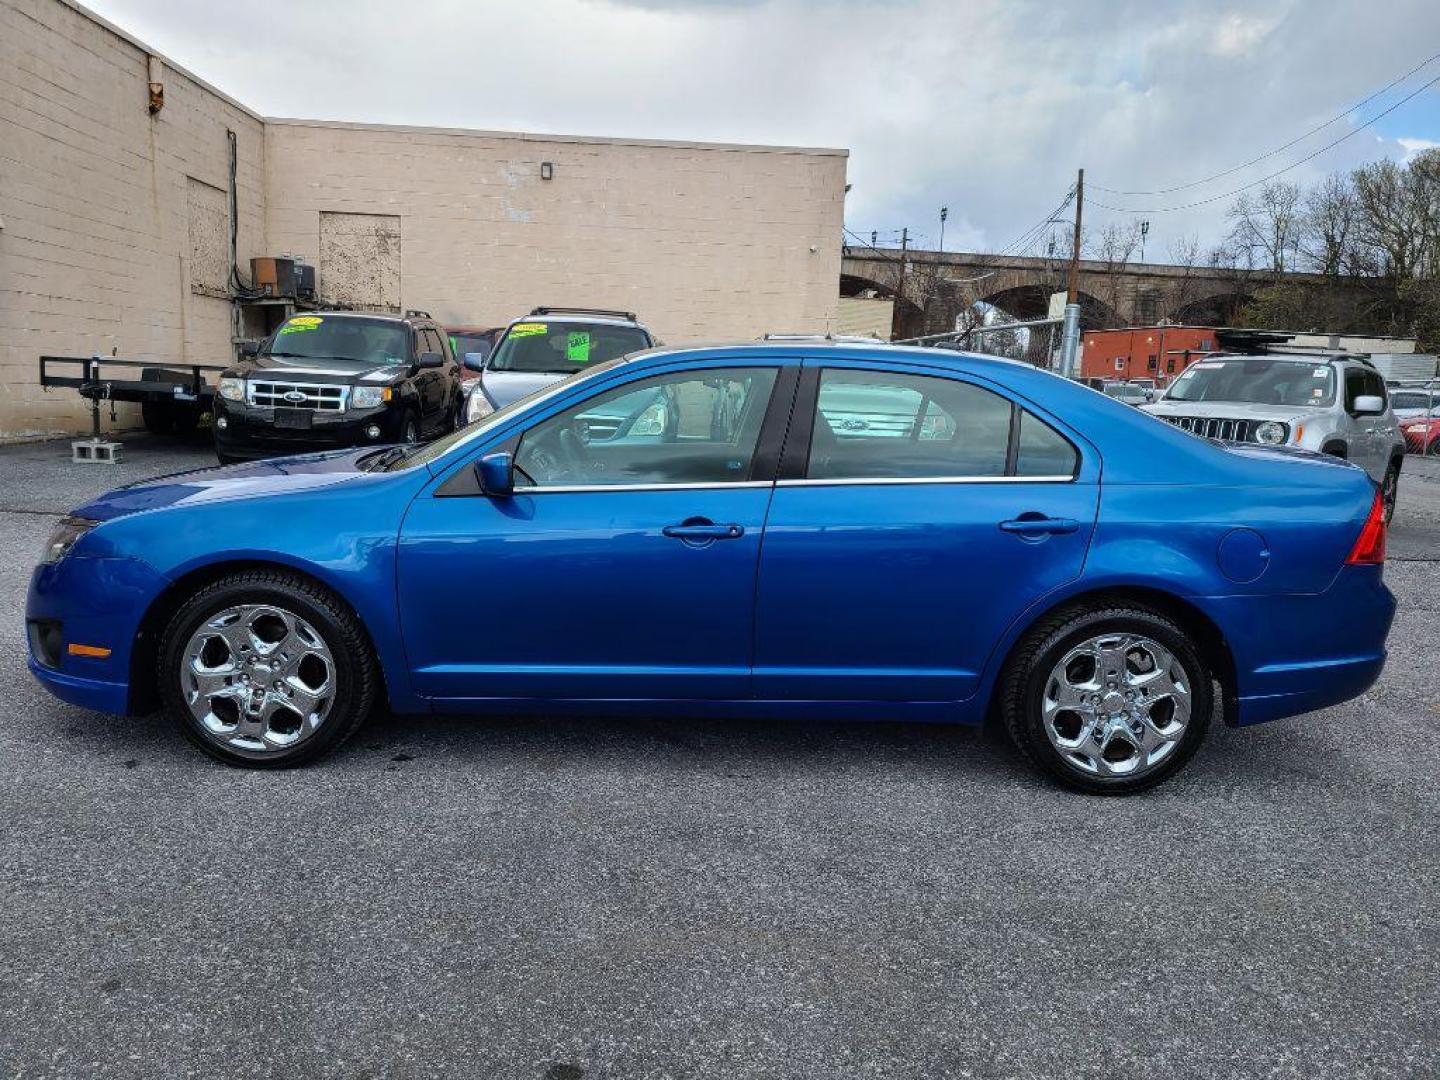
x=1286 y=755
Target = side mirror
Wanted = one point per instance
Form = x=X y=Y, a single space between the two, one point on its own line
x=1369 y=405
x=496 y=473
x=475 y=361
x=429 y=360
x=250 y=349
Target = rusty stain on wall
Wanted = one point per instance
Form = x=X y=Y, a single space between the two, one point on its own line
x=360 y=261
x=208 y=212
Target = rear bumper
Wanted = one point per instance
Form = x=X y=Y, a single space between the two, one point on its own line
x=1295 y=654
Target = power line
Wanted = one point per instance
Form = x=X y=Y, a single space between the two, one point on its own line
x=1031 y=234
x=1279 y=149
x=1279 y=172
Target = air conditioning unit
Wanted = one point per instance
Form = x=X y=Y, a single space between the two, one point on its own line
x=274 y=276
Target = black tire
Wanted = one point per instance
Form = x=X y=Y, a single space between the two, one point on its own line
x=184 y=421
x=158 y=417
x=356 y=675
x=1390 y=489
x=410 y=428
x=1433 y=450
x=1023 y=685
x=226 y=459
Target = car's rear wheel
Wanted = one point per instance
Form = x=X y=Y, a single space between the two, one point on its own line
x=1109 y=701
x=1434 y=448
x=266 y=669
x=158 y=417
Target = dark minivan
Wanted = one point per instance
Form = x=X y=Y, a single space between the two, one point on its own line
x=336 y=379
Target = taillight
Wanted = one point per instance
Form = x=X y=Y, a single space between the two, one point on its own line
x=1369 y=549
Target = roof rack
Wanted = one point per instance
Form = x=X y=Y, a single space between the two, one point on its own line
x=609 y=312
x=416 y=313
x=1253 y=342
x=851 y=338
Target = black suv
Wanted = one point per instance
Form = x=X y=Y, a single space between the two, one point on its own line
x=333 y=379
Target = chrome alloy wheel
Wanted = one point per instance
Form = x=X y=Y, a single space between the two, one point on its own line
x=1116 y=705
x=257 y=678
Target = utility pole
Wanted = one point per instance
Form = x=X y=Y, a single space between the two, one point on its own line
x=900 y=291
x=944 y=213
x=1070 y=339
x=1144 y=232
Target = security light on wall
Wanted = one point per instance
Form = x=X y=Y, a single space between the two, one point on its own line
x=547 y=170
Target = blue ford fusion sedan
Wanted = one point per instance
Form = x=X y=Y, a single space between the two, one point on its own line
x=789 y=529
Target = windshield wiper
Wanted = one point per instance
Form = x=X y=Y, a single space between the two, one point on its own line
x=383 y=459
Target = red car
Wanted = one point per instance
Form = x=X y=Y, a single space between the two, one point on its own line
x=466 y=341
x=1422 y=436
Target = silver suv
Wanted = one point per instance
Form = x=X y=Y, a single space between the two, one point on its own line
x=1334 y=404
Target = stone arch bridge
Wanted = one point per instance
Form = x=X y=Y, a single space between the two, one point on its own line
x=938 y=286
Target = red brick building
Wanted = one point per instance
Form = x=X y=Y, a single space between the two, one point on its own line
x=1140 y=352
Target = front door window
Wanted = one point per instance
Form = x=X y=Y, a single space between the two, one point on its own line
x=692 y=428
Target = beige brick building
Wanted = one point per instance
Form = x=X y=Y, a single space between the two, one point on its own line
x=115 y=221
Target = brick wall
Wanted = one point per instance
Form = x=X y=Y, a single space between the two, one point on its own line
x=108 y=217
x=94 y=201
x=702 y=241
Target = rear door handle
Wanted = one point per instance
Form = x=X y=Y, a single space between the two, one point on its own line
x=707 y=531
x=1039 y=526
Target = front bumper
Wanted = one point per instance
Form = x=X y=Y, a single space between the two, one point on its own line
x=250 y=430
x=96 y=602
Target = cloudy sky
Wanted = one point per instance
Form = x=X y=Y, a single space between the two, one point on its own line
x=984 y=106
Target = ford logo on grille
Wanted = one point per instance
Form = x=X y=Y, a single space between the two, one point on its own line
x=294 y=395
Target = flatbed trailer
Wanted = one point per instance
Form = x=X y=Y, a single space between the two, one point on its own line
x=172 y=397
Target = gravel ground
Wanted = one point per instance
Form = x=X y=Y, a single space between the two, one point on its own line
x=560 y=899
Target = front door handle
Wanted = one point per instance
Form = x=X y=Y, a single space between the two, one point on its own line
x=1026 y=525
x=693 y=531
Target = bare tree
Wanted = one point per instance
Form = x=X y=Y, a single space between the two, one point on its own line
x=1265 y=226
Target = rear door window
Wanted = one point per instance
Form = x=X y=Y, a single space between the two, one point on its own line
x=877 y=425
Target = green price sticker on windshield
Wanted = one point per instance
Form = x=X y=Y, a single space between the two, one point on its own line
x=577 y=346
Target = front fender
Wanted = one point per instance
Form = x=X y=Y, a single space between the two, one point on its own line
x=344 y=536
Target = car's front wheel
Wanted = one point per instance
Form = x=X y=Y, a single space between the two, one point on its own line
x=1390 y=490
x=266 y=669
x=1109 y=701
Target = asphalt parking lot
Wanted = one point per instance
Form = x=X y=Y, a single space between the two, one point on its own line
x=560 y=898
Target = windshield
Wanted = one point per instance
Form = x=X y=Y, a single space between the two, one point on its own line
x=1414 y=400
x=472 y=343
x=1258 y=380
x=431 y=451
x=323 y=337
x=561 y=348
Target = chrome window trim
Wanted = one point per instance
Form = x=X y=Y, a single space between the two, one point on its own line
x=568 y=489
x=1063 y=478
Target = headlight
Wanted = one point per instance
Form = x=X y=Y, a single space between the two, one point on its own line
x=478 y=406
x=368 y=397
x=232 y=389
x=651 y=421
x=1271 y=433
x=64 y=537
